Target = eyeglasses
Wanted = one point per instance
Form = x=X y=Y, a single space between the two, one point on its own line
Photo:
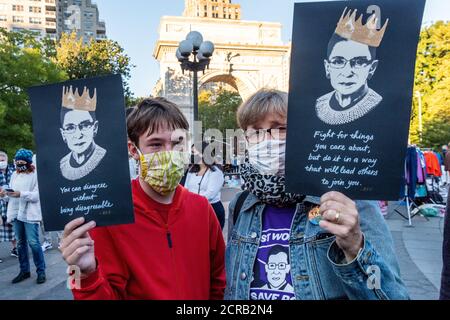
x=357 y=63
x=257 y=136
x=84 y=127
x=279 y=266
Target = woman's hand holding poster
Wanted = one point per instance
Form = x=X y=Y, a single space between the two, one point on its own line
x=352 y=76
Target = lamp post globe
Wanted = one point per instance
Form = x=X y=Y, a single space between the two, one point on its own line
x=201 y=56
x=196 y=39
x=186 y=47
x=207 y=48
x=179 y=56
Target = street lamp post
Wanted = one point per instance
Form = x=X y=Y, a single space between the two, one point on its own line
x=419 y=97
x=194 y=55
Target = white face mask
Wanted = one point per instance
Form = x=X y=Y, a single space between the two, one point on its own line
x=268 y=157
x=3 y=165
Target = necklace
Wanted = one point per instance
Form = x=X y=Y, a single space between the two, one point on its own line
x=360 y=109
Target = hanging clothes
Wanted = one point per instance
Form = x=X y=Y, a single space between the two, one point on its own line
x=415 y=172
x=432 y=163
x=421 y=167
x=411 y=171
x=440 y=159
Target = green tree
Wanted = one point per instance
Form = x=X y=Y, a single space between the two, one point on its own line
x=95 y=58
x=219 y=113
x=433 y=83
x=133 y=102
x=23 y=63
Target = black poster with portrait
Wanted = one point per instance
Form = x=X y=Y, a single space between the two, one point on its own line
x=351 y=91
x=82 y=157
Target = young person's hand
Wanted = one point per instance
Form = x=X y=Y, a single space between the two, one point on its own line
x=15 y=194
x=2 y=193
x=341 y=218
x=77 y=247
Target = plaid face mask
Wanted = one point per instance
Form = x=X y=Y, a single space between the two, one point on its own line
x=163 y=170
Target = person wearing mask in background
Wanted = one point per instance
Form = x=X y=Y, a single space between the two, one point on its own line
x=206 y=179
x=333 y=243
x=175 y=248
x=24 y=211
x=6 y=229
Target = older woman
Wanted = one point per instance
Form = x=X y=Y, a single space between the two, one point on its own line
x=288 y=246
x=24 y=211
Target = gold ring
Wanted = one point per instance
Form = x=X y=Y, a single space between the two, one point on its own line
x=338 y=216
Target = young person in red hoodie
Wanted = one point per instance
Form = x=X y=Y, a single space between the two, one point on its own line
x=175 y=249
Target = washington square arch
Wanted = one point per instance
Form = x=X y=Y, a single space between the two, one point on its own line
x=249 y=55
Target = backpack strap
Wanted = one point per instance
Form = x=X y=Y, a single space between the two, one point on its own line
x=239 y=203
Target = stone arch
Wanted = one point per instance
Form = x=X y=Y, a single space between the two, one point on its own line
x=243 y=85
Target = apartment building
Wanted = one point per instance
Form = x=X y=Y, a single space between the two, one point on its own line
x=53 y=17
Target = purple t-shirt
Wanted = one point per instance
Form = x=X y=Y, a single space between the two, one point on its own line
x=272 y=270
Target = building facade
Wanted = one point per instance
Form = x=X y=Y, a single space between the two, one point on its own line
x=82 y=17
x=38 y=16
x=220 y=9
x=249 y=54
x=53 y=17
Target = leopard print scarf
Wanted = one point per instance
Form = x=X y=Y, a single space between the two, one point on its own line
x=269 y=189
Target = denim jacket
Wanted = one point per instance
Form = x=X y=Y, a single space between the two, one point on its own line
x=319 y=270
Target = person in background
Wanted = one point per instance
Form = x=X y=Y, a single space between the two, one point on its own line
x=445 y=166
x=234 y=163
x=206 y=179
x=445 y=282
x=6 y=229
x=444 y=151
x=24 y=211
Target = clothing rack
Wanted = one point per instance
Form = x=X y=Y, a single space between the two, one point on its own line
x=410 y=204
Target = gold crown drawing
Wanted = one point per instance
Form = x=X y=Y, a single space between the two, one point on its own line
x=72 y=99
x=352 y=29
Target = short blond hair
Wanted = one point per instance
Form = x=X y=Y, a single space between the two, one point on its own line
x=260 y=104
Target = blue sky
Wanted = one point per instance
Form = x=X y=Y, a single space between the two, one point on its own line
x=134 y=24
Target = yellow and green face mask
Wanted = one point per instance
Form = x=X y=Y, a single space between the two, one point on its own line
x=163 y=170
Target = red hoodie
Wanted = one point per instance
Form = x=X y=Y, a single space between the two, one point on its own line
x=152 y=260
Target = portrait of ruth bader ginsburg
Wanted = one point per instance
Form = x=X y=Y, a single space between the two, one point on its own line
x=79 y=127
x=351 y=62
